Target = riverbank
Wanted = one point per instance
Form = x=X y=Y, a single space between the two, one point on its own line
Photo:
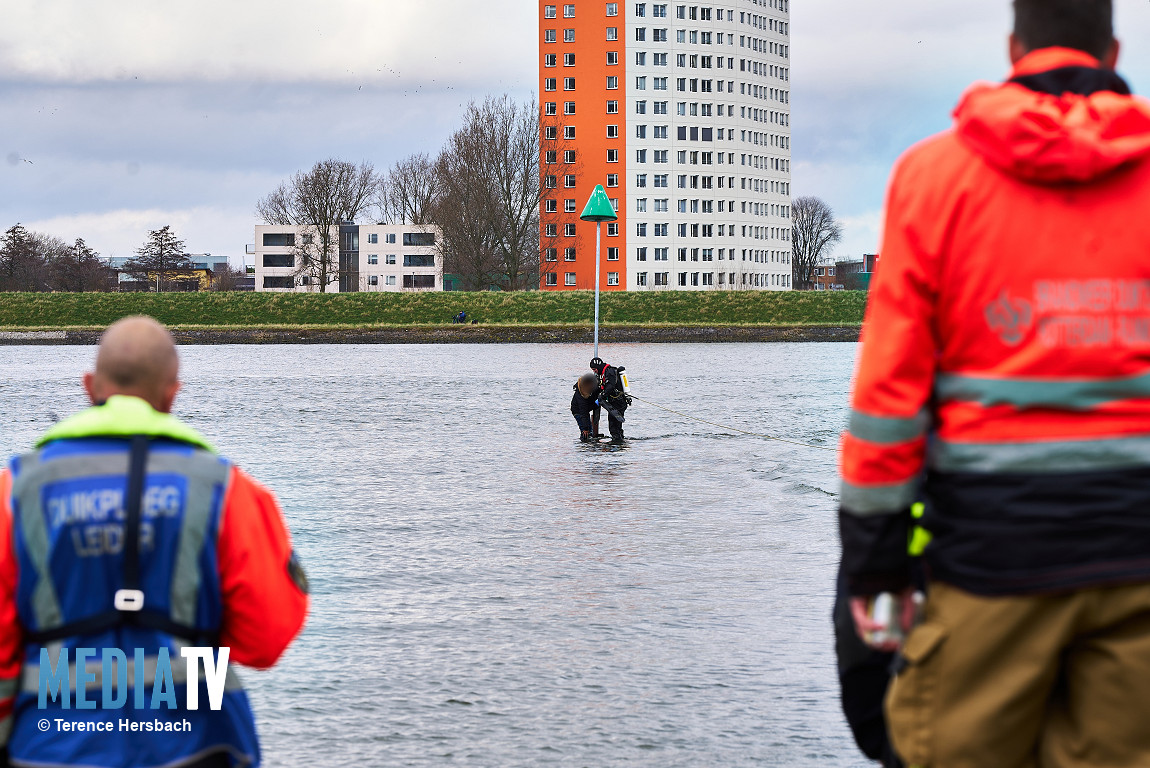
x=462 y=334
x=404 y=310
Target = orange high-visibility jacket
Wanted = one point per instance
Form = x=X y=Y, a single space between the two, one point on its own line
x=1004 y=374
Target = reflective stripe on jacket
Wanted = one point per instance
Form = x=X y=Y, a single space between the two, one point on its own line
x=1006 y=354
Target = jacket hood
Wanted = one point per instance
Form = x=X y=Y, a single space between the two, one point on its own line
x=1060 y=118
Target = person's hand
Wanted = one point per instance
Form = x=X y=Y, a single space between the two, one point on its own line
x=889 y=636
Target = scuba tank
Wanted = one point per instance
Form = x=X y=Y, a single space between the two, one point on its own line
x=623 y=379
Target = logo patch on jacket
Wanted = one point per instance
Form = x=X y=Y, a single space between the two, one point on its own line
x=1009 y=318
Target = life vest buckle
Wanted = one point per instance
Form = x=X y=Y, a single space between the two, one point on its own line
x=129 y=600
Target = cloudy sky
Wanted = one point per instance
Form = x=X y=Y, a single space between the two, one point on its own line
x=121 y=116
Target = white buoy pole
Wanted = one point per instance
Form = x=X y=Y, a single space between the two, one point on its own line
x=598 y=224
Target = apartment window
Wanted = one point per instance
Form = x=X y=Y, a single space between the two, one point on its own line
x=612 y=131
x=660 y=155
x=550 y=205
x=660 y=107
x=681 y=84
x=612 y=9
x=612 y=278
x=549 y=254
x=549 y=108
x=641 y=204
x=660 y=179
x=612 y=155
x=661 y=230
x=660 y=131
x=640 y=155
x=641 y=83
x=568 y=278
x=568 y=59
x=640 y=9
x=568 y=107
x=548 y=59
x=569 y=229
x=659 y=59
x=550 y=230
x=568 y=254
x=659 y=35
x=660 y=83
x=640 y=58
x=640 y=107
x=641 y=229
x=549 y=11
x=659 y=11
x=612 y=33
x=612 y=82
x=640 y=180
x=661 y=205
x=641 y=254
x=641 y=278
x=694 y=278
x=661 y=278
x=552 y=278
x=549 y=84
x=612 y=107
x=568 y=156
x=683 y=279
x=640 y=131
x=569 y=181
x=568 y=35
x=641 y=34
x=568 y=83
x=569 y=11
x=612 y=58
x=682 y=254
x=387 y=238
x=548 y=35
x=613 y=227
x=612 y=179
x=661 y=254
x=569 y=205
x=612 y=254
x=389 y=259
x=680 y=12
x=568 y=131
x=391 y=279
x=373 y=258
x=549 y=182
x=680 y=36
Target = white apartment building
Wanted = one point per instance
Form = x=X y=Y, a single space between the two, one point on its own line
x=371 y=257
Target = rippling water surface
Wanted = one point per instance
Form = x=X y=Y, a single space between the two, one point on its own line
x=487 y=591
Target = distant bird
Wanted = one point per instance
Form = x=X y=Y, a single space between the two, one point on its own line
x=29 y=162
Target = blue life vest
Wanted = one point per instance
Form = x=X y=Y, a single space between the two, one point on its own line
x=115 y=540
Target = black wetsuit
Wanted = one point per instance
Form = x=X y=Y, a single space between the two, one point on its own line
x=586 y=414
x=613 y=398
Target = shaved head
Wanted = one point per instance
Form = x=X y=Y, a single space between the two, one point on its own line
x=136 y=357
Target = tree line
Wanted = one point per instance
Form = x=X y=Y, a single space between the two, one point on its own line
x=482 y=191
x=35 y=261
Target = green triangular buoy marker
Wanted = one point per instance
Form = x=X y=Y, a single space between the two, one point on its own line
x=599 y=207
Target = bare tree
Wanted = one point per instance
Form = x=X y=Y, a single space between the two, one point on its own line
x=813 y=231
x=78 y=268
x=318 y=201
x=226 y=278
x=162 y=257
x=407 y=195
x=492 y=185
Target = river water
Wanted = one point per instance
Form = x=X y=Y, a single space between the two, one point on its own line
x=487 y=591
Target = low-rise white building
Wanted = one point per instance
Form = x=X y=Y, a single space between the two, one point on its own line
x=365 y=257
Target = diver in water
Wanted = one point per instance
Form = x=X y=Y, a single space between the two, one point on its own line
x=584 y=406
x=612 y=396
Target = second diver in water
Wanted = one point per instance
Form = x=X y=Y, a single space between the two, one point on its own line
x=585 y=406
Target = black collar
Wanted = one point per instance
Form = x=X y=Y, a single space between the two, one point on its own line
x=1080 y=80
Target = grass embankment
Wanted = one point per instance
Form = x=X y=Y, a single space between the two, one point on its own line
x=367 y=310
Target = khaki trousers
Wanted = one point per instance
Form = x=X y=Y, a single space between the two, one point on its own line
x=1054 y=681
